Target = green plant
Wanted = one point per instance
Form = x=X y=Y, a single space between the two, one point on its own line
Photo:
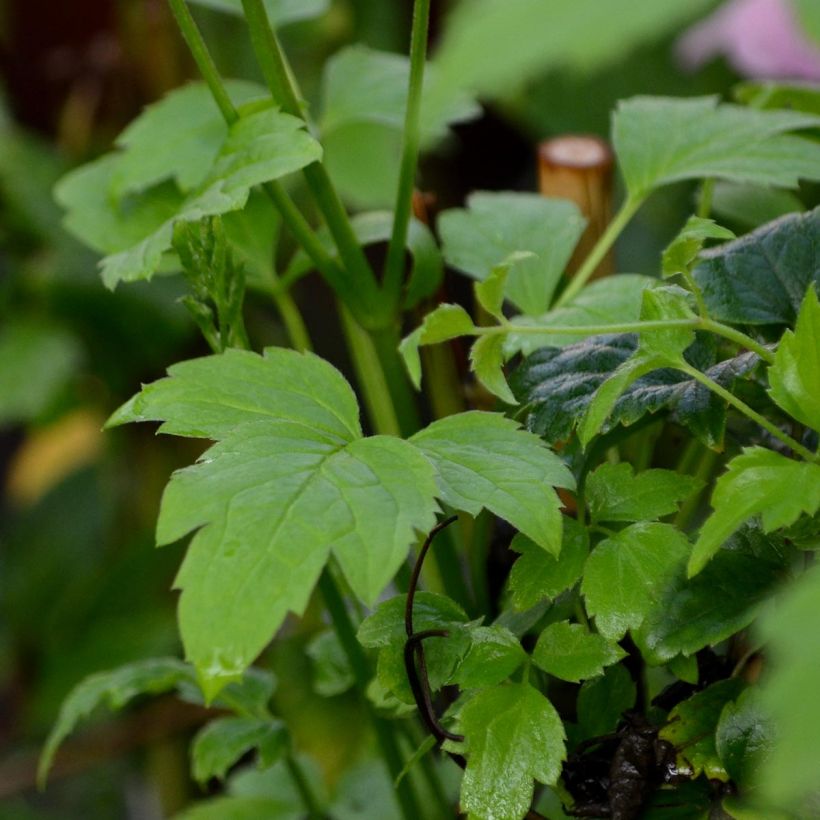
x=626 y=584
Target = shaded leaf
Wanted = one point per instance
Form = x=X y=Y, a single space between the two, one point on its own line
x=750 y=206
x=573 y=653
x=603 y=700
x=332 y=673
x=743 y=737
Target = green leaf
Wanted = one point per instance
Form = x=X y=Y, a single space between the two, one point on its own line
x=444 y=323
x=762 y=278
x=243 y=808
x=666 y=303
x=114 y=689
x=603 y=700
x=430 y=611
x=513 y=735
x=757 y=482
x=792 y=632
x=486 y=461
x=750 y=206
x=332 y=673
x=744 y=735
x=723 y=599
x=692 y=724
x=487 y=362
x=681 y=253
x=223 y=742
x=176 y=139
x=795 y=375
x=493 y=656
x=290 y=480
x=36 y=362
x=614 y=493
x=607 y=301
x=573 y=653
x=261 y=146
x=626 y=574
x=537 y=575
x=280 y=12
x=557 y=386
x=495 y=225
x=774 y=94
x=489 y=292
x=659 y=140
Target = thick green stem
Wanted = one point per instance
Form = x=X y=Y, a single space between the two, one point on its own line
x=747 y=411
x=600 y=250
x=386 y=343
x=361 y=671
x=394 y=268
x=707 y=192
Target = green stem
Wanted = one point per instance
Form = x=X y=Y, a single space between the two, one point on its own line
x=300 y=780
x=292 y=319
x=386 y=343
x=702 y=469
x=375 y=390
x=600 y=250
x=747 y=411
x=361 y=671
x=394 y=267
x=740 y=339
x=707 y=191
x=693 y=286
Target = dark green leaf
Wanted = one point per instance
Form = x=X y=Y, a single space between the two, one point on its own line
x=762 y=278
x=537 y=575
x=614 y=493
x=744 y=735
x=513 y=735
x=602 y=701
x=692 y=725
x=573 y=653
x=486 y=461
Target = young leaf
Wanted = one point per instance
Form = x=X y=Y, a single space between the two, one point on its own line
x=489 y=292
x=493 y=656
x=513 y=735
x=757 y=482
x=332 y=673
x=573 y=653
x=114 y=689
x=681 y=253
x=290 y=480
x=659 y=140
x=485 y=461
x=723 y=599
x=614 y=493
x=280 y=12
x=626 y=574
x=496 y=225
x=444 y=323
x=261 y=146
x=692 y=724
x=487 y=362
x=762 y=278
x=602 y=701
x=666 y=303
x=223 y=742
x=537 y=575
x=795 y=375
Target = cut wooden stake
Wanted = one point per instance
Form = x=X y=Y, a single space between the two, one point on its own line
x=579 y=167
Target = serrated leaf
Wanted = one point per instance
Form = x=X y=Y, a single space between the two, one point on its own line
x=614 y=493
x=493 y=656
x=607 y=301
x=744 y=735
x=280 y=12
x=723 y=599
x=659 y=140
x=290 y=480
x=223 y=742
x=795 y=375
x=489 y=292
x=683 y=250
x=537 y=575
x=176 y=138
x=261 y=146
x=332 y=673
x=557 y=386
x=496 y=225
x=513 y=735
x=603 y=700
x=757 y=482
x=573 y=653
x=486 y=461
x=430 y=611
x=762 y=278
x=626 y=574
x=692 y=724
x=444 y=323
x=114 y=689
x=487 y=362
x=789 y=773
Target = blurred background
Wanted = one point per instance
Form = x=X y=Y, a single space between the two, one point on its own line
x=81 y=586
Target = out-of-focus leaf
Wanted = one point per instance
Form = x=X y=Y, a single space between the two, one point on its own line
x=750 y=206
x=770 y=94
x=602 y=701
x=280 y=12
x=332 y=673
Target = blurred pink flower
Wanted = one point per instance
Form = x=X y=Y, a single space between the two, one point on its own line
x=761 y=39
